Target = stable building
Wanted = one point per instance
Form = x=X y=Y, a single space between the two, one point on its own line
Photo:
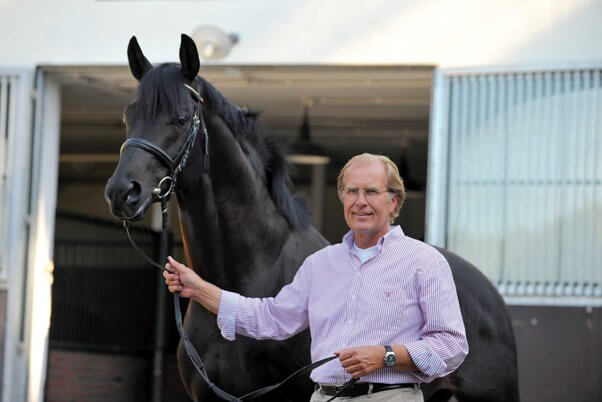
x=490 y=109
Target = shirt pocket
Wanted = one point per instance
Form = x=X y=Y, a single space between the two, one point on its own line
x=394 y=304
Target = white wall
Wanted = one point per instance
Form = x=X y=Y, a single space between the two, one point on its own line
x=441 y=32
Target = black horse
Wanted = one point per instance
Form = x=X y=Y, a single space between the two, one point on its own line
x=244 y=231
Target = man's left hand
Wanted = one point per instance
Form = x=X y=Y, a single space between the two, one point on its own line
x=362 y=360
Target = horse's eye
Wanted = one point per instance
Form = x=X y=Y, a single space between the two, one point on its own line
x=183 y=119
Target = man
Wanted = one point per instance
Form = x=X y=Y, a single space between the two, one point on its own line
x=383 y=302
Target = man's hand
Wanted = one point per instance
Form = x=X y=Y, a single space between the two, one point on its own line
x=363 y=360
x=180 y=278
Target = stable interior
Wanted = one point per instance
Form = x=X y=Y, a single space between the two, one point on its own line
x=351 y=109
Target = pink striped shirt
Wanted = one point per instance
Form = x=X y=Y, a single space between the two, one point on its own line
x=403 y=295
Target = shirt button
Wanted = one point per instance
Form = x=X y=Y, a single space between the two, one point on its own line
x=353 y=297
x=343 y=344
x=350 y=321
x=357 y=273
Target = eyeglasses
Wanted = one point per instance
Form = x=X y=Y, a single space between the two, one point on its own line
x=370 y=193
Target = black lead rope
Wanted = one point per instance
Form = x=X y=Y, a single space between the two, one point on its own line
x=344 y=388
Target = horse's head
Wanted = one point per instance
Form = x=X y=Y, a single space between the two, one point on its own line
x=162 y=124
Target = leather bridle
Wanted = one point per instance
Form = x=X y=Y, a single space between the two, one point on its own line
x=175 y=167
x=177 y=164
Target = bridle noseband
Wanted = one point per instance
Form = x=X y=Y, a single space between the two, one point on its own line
x=177 y=164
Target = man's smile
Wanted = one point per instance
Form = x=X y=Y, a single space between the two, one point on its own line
x=362 y=213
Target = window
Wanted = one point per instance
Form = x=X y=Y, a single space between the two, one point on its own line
x=524 y=195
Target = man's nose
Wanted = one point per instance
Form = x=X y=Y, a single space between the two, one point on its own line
x=361 y=197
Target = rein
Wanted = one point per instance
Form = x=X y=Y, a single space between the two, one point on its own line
x=175 y=166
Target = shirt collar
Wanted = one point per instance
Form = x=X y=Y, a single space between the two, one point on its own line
x=391 y=236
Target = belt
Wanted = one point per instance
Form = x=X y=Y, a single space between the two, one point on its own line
x=359 y=388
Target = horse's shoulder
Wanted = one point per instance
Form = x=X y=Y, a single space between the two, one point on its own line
x=321 y=252
x=461 y=268
x=475 y=291
x=297 y=248
x=306 y=240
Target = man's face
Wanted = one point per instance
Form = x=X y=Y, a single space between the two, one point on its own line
x=367 y=204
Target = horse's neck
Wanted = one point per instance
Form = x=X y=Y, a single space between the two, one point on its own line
x=229 y=223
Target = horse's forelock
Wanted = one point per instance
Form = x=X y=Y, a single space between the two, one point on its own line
x=162 y=90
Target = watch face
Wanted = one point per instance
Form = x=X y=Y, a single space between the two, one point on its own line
x=390 y=359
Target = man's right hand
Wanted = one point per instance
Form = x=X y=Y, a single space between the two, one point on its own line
x=180 y=278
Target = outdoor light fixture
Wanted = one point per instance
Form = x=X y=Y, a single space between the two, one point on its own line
x=302 y=150
x=213 y=43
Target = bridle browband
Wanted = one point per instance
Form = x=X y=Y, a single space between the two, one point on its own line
x=177 y=164
x=175 y=167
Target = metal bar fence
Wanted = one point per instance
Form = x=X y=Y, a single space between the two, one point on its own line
x=103 y=292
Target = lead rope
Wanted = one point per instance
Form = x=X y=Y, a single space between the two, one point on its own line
x=344 y=388
x=190 y=350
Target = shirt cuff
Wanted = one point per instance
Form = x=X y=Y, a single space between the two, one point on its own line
x=427 y=361
x=226 y=314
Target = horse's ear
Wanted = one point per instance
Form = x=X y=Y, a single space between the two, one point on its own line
x=139 y=65
x=189 y=58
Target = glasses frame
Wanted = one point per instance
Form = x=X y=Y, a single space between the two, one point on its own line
x=370 y=193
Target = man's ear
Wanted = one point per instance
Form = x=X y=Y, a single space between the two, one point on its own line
x=394 y=201
x=395 y=198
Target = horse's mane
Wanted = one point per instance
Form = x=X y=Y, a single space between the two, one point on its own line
x=161 y=89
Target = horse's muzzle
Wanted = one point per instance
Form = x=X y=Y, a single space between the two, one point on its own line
x=126 y=199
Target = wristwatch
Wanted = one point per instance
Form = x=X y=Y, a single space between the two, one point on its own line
x=390 y=358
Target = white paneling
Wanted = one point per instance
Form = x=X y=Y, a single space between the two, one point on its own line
x=311 y=31
x=436 y=216
x=15 y=123
x=4 y=90
x=525 y=182
x=45 y=174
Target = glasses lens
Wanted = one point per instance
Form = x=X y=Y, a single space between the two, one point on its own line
x=370 y=193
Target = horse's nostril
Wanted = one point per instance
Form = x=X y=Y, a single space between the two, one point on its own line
x=133 y=193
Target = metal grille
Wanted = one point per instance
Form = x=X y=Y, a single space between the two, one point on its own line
x=7 y=121
x=525 y=179
x=103 y=295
